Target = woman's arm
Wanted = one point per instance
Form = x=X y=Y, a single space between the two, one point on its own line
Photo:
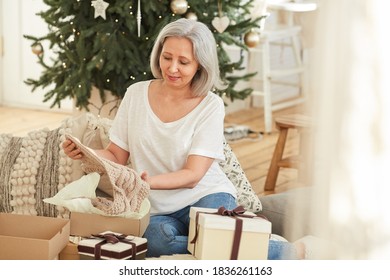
x=113 y=152
x=187 y=177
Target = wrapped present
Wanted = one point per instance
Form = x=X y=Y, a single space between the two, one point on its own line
x=110 y=245
x=220 y=234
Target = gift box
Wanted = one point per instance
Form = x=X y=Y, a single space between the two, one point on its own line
x=85 y=224
x=219 y=234
x=25 y=237
x=111 y=245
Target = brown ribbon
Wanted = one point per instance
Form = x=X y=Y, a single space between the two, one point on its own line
x=235 y=213
x=113 y=239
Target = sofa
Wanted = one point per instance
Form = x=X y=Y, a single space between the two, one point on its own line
x=34 y=167
x=289 y=212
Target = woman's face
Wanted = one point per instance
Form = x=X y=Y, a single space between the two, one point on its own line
x=177 y=62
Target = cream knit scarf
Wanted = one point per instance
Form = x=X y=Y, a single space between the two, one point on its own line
x=129 y=190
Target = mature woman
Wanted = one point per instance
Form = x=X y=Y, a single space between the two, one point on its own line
x=172 y=129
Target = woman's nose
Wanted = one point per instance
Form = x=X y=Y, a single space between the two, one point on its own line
x=173 y=67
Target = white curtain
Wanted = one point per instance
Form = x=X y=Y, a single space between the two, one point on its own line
x=350 y=92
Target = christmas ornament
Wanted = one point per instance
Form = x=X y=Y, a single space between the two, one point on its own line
x=252 y=39
x=192 y=16
x=179 y=6
x=139 y=17
x=37 y=49
x=220 y=23
x=100 y=8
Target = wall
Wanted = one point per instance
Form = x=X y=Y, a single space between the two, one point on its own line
x=1 y=53
x=18 y=61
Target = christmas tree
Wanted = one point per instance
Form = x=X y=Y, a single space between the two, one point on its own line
x=107 y=44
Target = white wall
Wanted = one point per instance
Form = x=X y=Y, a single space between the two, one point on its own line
x=1 y=53
x=19 y=62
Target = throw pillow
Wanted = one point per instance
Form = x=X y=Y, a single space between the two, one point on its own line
x=92 y=131
x=246 y=197
x=31 y=169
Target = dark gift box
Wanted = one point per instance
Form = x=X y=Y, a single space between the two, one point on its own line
x=110 y=245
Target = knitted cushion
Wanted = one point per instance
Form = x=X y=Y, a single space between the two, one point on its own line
x=33 y=168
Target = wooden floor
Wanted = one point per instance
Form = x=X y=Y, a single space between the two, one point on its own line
x=254 y=156
x=19 y=121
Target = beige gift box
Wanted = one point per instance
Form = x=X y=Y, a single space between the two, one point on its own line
x=215 y=235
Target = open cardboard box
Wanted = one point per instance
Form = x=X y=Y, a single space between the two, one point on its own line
x=83 y=224
x=25 y=237
x=86 y=224
x=70 y=252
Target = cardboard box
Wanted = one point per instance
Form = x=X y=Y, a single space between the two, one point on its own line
x=82 y=224
x=70 y=252
x=216 y=233
x=123 y=247
x=25 y=237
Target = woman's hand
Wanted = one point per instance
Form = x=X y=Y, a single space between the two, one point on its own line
x=145 y=177
x=188 y=177
x=71 y=149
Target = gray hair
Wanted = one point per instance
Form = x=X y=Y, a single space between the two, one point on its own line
x=205 y=52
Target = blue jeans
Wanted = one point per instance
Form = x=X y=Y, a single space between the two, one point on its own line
x=168 y=234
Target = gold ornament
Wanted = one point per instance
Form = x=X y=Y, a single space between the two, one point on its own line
x=37 y=49
x=192 y=16
x=179 y=6
x=252 y=39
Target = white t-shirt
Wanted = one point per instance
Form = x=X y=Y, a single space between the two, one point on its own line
x=158 y=147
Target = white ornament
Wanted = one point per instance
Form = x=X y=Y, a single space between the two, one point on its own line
x=100 y=8
x=139 y=17
x=220 y=23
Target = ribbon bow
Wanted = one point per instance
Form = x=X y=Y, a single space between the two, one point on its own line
x=238 y=211
x=112 y=238
x=235 y=213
